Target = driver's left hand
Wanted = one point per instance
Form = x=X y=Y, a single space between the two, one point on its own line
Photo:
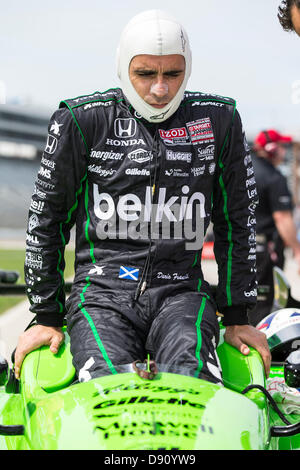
x=243 y=336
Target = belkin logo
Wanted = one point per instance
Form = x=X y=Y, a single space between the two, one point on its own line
x=125 y=127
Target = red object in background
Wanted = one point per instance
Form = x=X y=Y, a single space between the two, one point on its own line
x=208 y=250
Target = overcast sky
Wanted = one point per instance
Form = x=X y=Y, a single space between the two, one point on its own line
x=64 y=48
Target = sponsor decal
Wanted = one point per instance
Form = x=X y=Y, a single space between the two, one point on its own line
x=32 y=239
x=208 y=103
x=84 y=375
x=246 y=145
x=177 y=136
x=137 y=172
x=98 y=270
x=97 y=104
x=89 y=97
x=51 y=144
x=55 y=128
x=252 y=193
x=36 y=299
x=176 y=172
x=138 y=218
x=129 y=206
x=37 y=206
x=251 y=293
x=250 y=182
x=125 y=143
x=251 y=220
x=250 y=171
x=39 y=193
x=247 y=160
x=49 y=163
x=34 y=248
x=33 y=222
x=30 y=278
x=252 y=238
x=140 y=156
x=252 y=207
x=45 y=184
x=125 y=128
x=208 y=96
x=198 y=171
x=33 y=260
x=45 y=172
x=207 y=153
x=211 y=168
x=101 y=171
x=106 y=155
x=161 y=115
x=129 y=273
x=178 y=156
x=183 y=41
x=201 y=131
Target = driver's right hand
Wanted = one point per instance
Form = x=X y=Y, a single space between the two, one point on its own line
x=35 y=337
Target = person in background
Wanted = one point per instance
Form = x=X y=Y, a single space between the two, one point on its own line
x=289 y=15
x=274 y=216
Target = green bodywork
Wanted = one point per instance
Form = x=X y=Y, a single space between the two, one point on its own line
x=126 y=412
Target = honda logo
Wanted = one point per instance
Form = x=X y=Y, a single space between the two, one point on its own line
x=51 y=144
x=125 y=127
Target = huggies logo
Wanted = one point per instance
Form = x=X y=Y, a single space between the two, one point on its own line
x=129 y=217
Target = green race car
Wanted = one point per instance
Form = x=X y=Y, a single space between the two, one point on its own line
x=144 y=408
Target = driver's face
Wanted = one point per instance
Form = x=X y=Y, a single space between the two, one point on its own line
x=295 y=14
x=157 y=79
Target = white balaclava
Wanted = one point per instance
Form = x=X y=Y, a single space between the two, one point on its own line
x=152 y=32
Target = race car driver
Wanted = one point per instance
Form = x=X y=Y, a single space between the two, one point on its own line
x=132 y=167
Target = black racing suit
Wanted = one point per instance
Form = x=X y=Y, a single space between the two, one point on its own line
x=142 y=197
x=274 y=195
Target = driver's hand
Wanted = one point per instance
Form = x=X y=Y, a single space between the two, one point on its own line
x=243 y=336
x=33 y=338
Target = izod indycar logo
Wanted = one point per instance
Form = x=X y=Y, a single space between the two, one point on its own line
x=177 y=136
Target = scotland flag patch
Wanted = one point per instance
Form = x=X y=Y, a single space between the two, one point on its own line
x=129 y=273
